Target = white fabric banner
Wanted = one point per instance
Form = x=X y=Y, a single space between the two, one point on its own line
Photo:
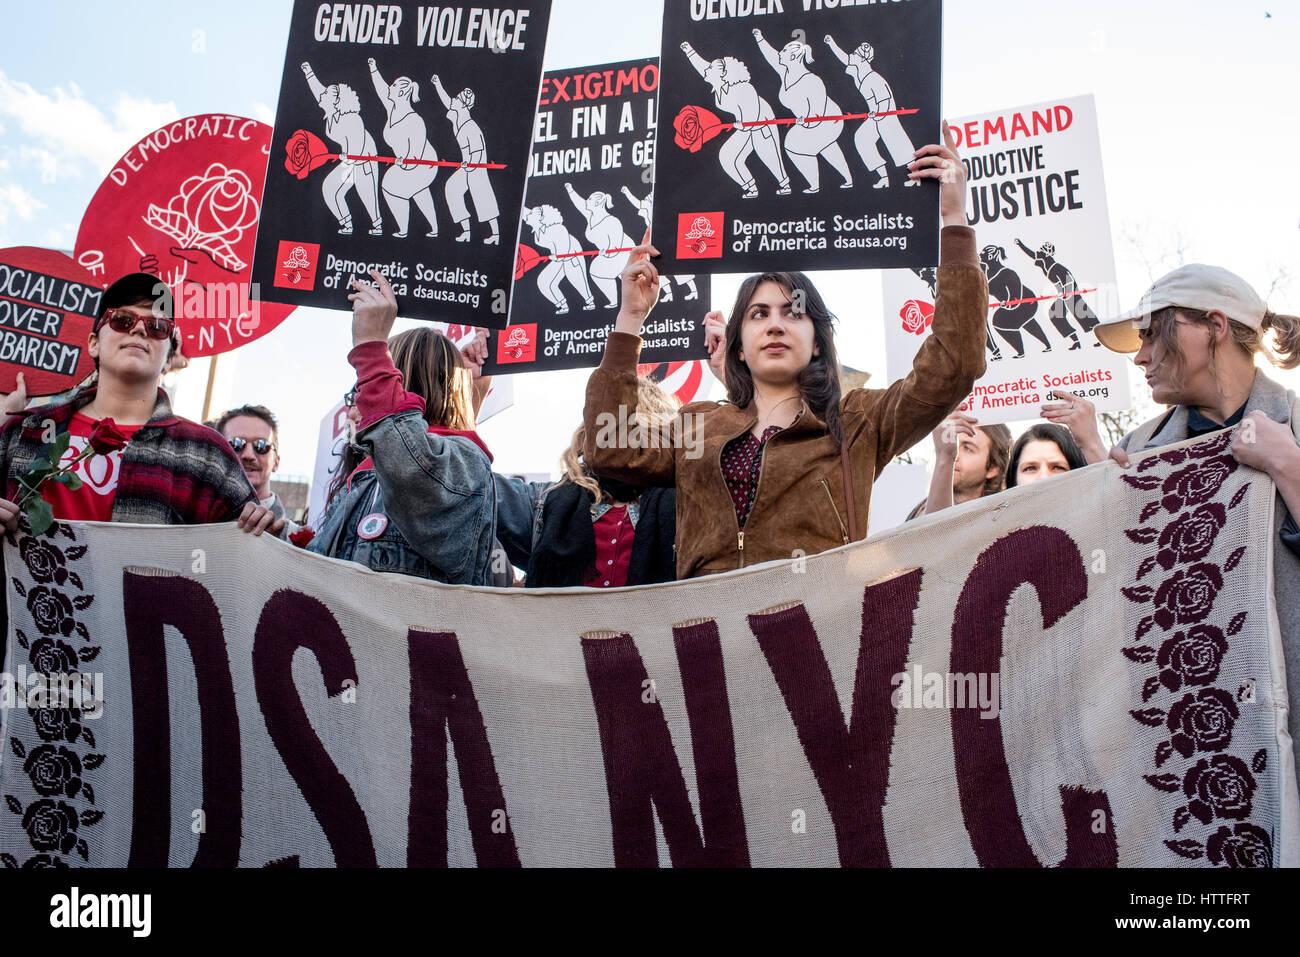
x=1085 y=671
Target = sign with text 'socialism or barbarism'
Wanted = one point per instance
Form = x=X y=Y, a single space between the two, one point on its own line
x=48 y=306
x=182 y=204
x=787 y=127
x=589 y=202
x=401 y=144
x=1037 y=200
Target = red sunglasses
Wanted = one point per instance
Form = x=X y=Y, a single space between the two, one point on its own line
x=155 y=327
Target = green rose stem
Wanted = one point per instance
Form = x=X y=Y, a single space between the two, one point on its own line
x=38 y=511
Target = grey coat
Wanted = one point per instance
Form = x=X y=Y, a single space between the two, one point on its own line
x=1278 y=404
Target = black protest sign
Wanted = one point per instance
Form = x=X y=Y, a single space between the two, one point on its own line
x=589 y=202
x=48 y=306
x=787 y=127
x=401 y=144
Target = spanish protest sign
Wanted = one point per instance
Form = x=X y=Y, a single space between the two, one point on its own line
x=1038 y=204
x=787 y=130
x=48 y=306
x=401 y=145
x=182 y=204
x=1083 y=672
x=589 y=202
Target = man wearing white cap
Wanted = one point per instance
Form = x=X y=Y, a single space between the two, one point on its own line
x=1196 y=333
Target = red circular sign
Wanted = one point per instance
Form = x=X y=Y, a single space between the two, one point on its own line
x=183 y=204
x=685 y=380
x=48 y=305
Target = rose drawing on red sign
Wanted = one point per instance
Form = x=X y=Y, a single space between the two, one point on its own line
x=183 y=204
x=295 y=265
x=210 y=214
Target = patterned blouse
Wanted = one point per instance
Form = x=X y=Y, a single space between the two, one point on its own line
x=742 y=460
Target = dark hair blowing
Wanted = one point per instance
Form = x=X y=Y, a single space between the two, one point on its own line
x=1045 y=432
x=819 y=381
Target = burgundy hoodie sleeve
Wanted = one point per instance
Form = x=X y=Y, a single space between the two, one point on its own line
x=379 y=384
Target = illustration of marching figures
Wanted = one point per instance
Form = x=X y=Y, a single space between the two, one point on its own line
x=783 y=132
x=417 y=168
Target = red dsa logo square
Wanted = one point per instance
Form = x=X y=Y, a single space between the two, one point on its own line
x=699 y=235
x=295 y=265
x=517 y=343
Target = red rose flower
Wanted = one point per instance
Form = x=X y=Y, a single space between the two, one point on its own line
x=303 y=536
x=1203 y=722
x=1221 y=786
x=305 y=152
x=105 y=437
x=1192 y=657
x=917 y=316
x=1198 y=482
x=694 y=126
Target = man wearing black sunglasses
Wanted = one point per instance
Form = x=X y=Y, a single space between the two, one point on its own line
x=171 y=471
x=254 y=435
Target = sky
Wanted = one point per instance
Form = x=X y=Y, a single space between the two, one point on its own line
x=1195 y=103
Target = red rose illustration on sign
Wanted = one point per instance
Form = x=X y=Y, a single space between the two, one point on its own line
x=526 y=257
x=699 y=235
x=694 y=126
x=517 y=344
x=183 y=204
x=297 y=268
x=305 y=152
x=917 y=316
x=210 y=214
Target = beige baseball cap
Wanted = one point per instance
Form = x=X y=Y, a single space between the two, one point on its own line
x=1194 y=286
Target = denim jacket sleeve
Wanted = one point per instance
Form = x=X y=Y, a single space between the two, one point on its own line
x=439 y=491
x=517 y=503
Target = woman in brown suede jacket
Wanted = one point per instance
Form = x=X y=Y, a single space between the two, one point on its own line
x=764 y=476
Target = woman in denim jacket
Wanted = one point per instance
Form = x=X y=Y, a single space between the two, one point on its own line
x=424 y=502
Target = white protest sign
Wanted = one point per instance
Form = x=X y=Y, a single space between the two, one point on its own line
x=1037 y=201
x=329 y=453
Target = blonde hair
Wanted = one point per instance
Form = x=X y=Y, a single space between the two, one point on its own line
x=655 y=409
x=1284 y=352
